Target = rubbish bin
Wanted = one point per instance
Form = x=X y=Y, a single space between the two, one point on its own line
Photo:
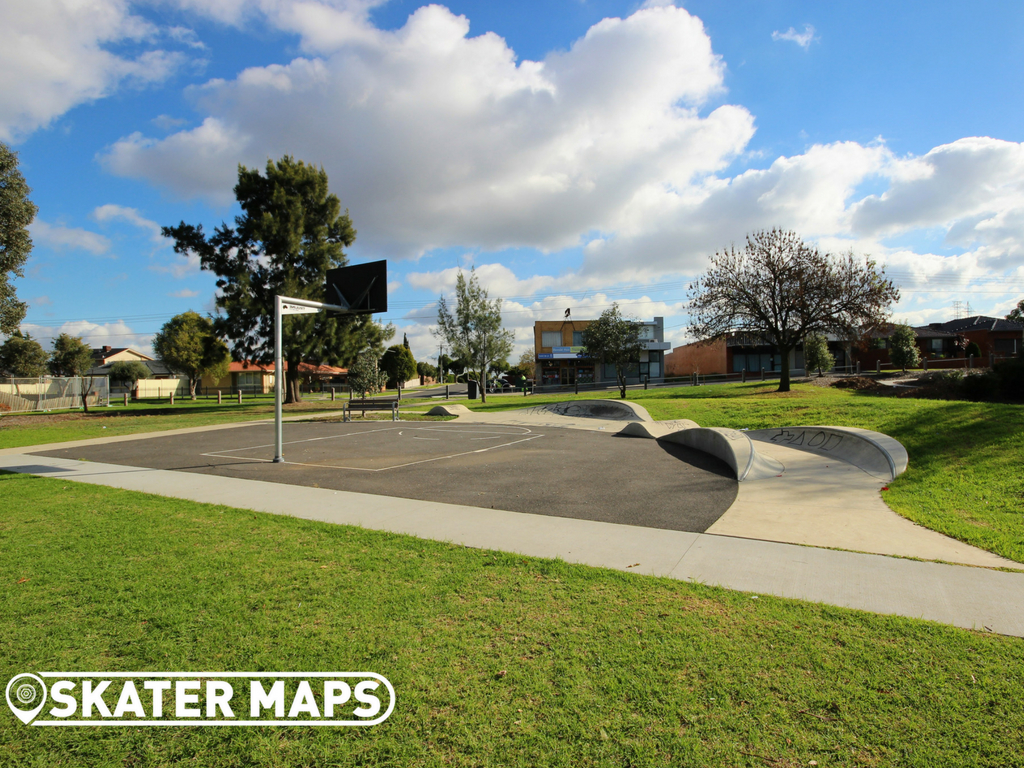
x=472 y=390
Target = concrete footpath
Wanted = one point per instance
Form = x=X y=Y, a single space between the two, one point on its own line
x=971 y=597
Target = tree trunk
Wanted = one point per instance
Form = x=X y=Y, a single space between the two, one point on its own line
x=85 y=395
x=192 y=387
x=293 y=392
x=784 y=378
x=483 y=376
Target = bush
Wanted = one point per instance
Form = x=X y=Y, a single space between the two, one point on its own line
x=979 y=386
x=972 y=350
x=1009 y=376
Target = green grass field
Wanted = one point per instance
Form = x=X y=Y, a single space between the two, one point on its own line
x=496 y=659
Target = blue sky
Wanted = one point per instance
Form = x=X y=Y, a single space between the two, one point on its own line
x=577 y=153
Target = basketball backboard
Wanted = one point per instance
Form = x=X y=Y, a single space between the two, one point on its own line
x=363 y=288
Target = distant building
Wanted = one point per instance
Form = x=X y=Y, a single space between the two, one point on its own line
x=559 y=358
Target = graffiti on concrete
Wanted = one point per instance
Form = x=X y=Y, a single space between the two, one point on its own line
x=810 y=438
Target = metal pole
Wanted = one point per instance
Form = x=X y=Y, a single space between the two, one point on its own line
x=278 y=388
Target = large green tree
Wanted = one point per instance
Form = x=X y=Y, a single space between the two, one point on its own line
x=780 y=289
x=188 y=344
x=399 y=364
x=16 y=213
x=903 y=350
x=129 y=372
x=816 y=354
x=473 y=330
x=1017 y=313
x=290 y=233
x=614 y=340
x=72 y=358
x=21 y=356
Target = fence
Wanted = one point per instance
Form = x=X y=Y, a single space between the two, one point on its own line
x=52 y=393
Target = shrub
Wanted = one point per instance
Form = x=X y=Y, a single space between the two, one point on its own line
x=973 y=350
x=979 y=386
x=1009 y=376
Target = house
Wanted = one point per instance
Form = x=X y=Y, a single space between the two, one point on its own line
x=162 y=380
x=738 y=352
x=559 y=358
x=948 y=340
x=251 y=378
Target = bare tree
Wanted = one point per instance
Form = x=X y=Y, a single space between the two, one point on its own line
x=473 y=331
x=780 y=290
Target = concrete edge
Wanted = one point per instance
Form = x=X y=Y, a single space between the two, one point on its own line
x=452 y=409
x=882 y=449
x=733 y=447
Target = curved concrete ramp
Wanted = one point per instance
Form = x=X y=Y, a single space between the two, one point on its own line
x=453 y=409
x=731 y=446
x=613 y=410
x=877 y=454
x=657 y=429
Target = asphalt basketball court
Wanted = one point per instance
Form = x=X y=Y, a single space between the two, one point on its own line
x=553 y=471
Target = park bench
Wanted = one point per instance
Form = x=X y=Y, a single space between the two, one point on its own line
x=370 y=404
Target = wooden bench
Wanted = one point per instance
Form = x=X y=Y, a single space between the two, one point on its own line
x=368 y=404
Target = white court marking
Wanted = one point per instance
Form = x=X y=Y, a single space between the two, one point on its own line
x=224 y=454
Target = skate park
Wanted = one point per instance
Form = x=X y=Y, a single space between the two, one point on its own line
x=806 y=520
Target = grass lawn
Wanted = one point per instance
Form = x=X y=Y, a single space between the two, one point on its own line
x=496 y=659
x=17 y=430
x=966 y=472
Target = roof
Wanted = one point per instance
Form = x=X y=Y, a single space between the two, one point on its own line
x=155 y=366
x=103 y=353
x=978 y=323
x=930 y=332
x=307 y=368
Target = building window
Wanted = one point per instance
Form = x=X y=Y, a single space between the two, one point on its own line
x=936 y=345
x=647 y=332
x=550 y=376
x=577 y=338
x=551 y=338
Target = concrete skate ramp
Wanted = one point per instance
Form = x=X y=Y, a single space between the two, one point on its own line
x=732 y=447
x=613 y=410
x=877 y=454
x=451 y=409
x=656 y=429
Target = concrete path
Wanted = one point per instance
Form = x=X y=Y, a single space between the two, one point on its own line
x=962 y=596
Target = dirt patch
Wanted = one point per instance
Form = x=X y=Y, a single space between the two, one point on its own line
x=859 y=383
x=42 y=419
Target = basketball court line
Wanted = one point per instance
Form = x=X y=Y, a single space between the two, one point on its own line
x=223 y=454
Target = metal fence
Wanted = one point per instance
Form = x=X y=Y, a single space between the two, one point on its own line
x=52 y=393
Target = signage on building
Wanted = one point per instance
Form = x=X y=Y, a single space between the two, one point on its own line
x=566 y=353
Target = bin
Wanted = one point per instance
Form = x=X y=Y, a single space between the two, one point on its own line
x=472 y=389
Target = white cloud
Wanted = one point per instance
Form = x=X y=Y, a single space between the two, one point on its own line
x=59 y=237
x=41 y=301
x=167 y=123
x=434 y=138
x=183 y=265
x=112 y=212
x=663 y=231
x=117 y=334
x=54 y=56
x=184 y=293
x=973 y=189
x=496 y=279
x=186 y=36
x=803 y=39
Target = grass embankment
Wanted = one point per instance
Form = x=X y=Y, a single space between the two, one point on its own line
x=965 y=476
x=18 y=430
x=496 y=659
